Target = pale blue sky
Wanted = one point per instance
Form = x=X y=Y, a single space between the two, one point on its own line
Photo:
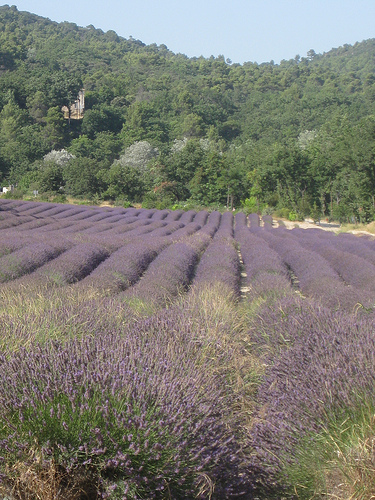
x=241 y=30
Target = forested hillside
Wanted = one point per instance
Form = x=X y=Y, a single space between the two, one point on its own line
x=164 y=129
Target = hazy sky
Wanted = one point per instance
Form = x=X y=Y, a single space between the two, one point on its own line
x=241 y=30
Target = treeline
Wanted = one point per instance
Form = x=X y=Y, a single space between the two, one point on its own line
x=163 y=129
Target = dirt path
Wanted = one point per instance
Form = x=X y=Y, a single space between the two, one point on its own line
x=309 y=224
x=325 y=226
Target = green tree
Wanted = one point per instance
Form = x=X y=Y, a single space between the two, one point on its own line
x=81 y=177
x=125 y=181
x=181 y=165
x=54 y=131
x=206 y=186
x=49 y=178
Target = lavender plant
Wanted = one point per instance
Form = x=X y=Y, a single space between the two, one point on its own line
x=201 y=218
x=166 y=230
x=325 y=374
x=26 y=259
x=313 y=274
x=70 y=212
x=128 y=224
x=13 y=220
x=185 y=231
x=124 y=267
x=226 y=225
x=54 y=226
x=135 y=411
x=267 y=220
x=254 y=220
x=240 y=220
x=266 y=275
x=257 y=256
x=36 y=223
x=148 y=227
x=160 y=214
x=73 y=265
x=174 y=215
x=188 y=216
x=21 y=206
x=167 y=276
x=214 y=219
x=52 y=210
x=31 y=208
x=11 y=243
x=219 y=265
x=353 y=269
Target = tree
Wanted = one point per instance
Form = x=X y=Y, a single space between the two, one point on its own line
x=100 y=119
x=125 y=181
x=64 y=88
x=311 y=54
x=54 y=129
x=38 y=106
x=50 y=172
x=50 y=178
x=81 y=177
x=138 y=156
x=206 y=186
x=180 y=167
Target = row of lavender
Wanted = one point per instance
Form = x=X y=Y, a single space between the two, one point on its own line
x=113 y=261
x=335 y=270
x=177 y=412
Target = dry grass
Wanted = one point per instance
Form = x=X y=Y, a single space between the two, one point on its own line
x=52 y=482
x=358 y=228
x=352 y=472
x=341 y=464
x=220 y=324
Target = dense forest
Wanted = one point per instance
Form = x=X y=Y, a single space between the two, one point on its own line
x=161 y=129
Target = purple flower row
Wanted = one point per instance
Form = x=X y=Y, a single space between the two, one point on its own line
x=11 y=220
x=136 y=409
x=312 y=273
x=11 y=243
x=257 y=255
x=171 y=272
x=27 y=259
x=321 y=366
x=125 y=266
x=353 y=268
x=73 y=265
x=266 y=273
x=219 y=265
x=254 y=220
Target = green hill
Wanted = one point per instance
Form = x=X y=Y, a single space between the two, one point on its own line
x=162 y=129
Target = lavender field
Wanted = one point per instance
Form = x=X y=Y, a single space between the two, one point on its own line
x=179 y=355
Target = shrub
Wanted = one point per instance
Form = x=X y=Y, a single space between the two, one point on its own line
x=135 y=412
x=293 y=216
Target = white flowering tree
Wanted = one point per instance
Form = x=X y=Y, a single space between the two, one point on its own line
x=305 y=138
x=138 y=156
x=60 y=158
x=178 y=145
